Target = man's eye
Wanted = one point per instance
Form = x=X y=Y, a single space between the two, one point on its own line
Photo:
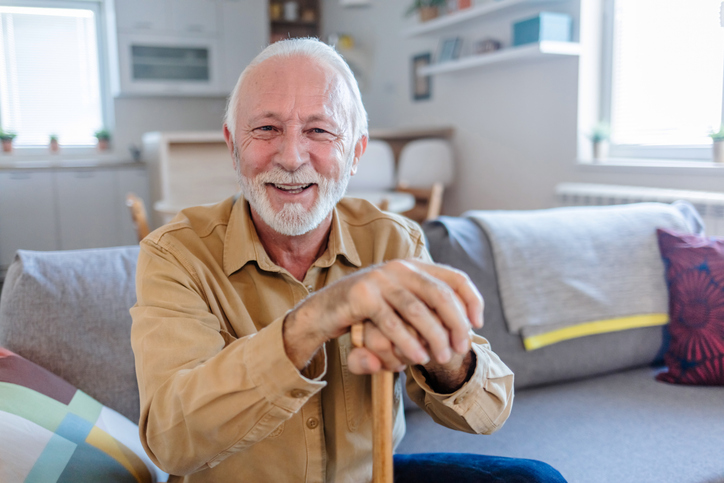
x=265 y=128
x=317 y=130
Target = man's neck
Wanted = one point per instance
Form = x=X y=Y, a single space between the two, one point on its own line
x=293 y=253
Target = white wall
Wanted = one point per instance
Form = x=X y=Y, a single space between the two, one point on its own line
x=516 y=124
x=137 y=115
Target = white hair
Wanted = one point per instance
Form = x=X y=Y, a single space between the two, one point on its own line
x=319 y=51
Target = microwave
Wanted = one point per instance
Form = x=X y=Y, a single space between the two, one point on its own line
x=166 y=66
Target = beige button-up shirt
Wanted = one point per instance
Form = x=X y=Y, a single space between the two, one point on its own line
x=221 y=401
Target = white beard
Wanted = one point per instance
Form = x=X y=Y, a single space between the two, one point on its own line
x=293 y=219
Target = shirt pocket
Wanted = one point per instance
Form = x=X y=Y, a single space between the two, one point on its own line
x=357 y=389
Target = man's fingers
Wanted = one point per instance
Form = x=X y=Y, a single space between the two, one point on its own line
x=441 y=299
x=392 y=327
x=425 y=322
x=363 y=361
x=380 y=346
x=461 y=284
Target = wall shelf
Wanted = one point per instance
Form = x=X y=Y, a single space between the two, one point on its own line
x=513 y=54
x=456 y=18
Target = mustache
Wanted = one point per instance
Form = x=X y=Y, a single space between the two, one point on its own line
x=278 y=175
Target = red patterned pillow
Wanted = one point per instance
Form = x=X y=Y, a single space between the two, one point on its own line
x=695 y=277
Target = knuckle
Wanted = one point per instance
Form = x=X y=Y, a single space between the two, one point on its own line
x=447 y=296
x=389 y=323
x=416 y=308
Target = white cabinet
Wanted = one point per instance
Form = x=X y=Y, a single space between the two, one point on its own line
x=27 y=213
x=145 y=16
x=194 y=17
x=61 y=209
x=182 y=47
x=86 y=208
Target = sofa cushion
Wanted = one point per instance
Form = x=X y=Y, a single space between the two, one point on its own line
x=50 y=431
x=461 y=243
x=622 y=428
x=67 y=311
x=695 y=277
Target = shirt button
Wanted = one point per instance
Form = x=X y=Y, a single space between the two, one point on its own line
x=310 y=288
x=298 y=393
x=312 y=423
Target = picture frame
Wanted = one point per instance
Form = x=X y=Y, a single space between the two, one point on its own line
x=421 y=84
x=450 y=49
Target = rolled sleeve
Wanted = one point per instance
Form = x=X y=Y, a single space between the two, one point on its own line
x=481 y=405
x=288 y=389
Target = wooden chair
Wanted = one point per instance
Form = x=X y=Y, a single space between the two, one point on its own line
x=138 y=214
x=428 y=201
x=425 y=168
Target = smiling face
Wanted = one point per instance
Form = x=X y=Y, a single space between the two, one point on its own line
x=293 y=147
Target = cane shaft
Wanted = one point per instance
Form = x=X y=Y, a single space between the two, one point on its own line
x=382 y=388
x=382 y=384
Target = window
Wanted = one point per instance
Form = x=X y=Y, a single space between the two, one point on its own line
x=663 y=77
x=50 y=81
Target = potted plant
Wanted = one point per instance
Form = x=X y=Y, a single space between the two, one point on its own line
x=718 y=139
x=428 y=9
x=7 y=140
x=599 y=137
x=104 y=139
x=53 y=143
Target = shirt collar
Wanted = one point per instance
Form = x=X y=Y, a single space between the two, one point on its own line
x=242 y=244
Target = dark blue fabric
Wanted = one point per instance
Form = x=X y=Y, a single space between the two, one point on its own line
x=471 y=468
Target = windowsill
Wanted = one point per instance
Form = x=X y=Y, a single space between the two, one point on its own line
x=659 y=166
x=71 y=159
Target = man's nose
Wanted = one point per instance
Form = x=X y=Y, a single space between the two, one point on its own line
x=292 y=151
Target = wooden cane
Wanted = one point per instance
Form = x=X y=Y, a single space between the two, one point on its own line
x=382 y=388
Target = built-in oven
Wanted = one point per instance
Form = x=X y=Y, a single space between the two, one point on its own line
x=158 y=65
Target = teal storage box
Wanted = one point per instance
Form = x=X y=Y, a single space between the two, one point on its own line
x=544 y=26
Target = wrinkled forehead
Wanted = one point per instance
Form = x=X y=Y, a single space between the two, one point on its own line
x=297 y=79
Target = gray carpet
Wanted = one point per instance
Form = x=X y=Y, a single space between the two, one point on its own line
x=620 y=428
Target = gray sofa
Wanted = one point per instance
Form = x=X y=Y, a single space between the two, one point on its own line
x=590 y=406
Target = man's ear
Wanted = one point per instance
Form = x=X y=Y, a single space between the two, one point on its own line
x=230 y=144
x=359 y=150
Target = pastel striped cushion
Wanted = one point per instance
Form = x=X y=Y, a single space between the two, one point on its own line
x=52 y=432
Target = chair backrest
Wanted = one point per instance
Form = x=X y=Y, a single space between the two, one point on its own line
x=138 y=214
x=424 y=162
x=376 y=169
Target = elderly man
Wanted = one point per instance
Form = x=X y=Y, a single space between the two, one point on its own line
x=240 y=332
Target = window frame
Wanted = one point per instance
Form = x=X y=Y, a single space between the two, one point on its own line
x=107 y=114
x=693 y=153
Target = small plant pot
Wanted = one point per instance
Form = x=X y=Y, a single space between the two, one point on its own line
x=600 y=150
x=54 y=146
x=428 y=13
x=718 y=152
x=7 y=145
x=104 y=145
x=464 y=4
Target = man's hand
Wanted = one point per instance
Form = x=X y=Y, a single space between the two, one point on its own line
x=415 y=312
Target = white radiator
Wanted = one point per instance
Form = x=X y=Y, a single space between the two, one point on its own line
x=710 y=205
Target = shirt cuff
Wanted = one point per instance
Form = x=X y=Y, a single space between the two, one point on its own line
x=278 y=379
x=491 y=380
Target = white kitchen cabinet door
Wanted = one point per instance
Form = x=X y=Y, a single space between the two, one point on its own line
x=245 y=32
x=194 y=17
x=87 y=208
x=131 y=180
x=27 y=213
x=143 y=16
